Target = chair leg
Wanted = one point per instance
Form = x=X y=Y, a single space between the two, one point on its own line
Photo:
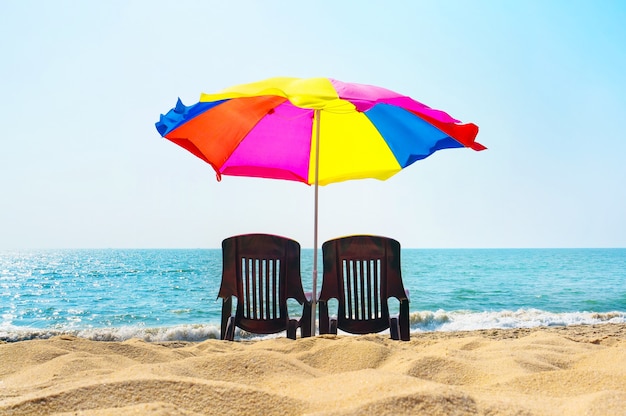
x=324 y=321
x=230 y=329
x=394 y=329
x=292 y=326
x=305 y=320
x=333 y=326
x=405 y=328
x=227 y=312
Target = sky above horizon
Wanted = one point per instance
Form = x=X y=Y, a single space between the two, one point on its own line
x=82 y=84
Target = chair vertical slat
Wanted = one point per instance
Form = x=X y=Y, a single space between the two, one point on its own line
x=246 y=278
x=355 y=288
x=376 y=284
x=274 y=288
x=258 y=265
x=348 y=291
x=368 y=282
x=268 y=289
x=254 y=292
x=361 y=288
x=261 y=287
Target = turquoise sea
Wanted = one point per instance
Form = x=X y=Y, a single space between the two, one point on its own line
x=157 y=295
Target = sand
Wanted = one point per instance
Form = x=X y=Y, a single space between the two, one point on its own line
x=576 y=370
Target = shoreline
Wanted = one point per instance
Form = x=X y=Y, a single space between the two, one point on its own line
x=575 y=370
x=422 y=322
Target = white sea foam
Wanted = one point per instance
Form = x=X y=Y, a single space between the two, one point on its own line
x=178 y=333
x=521 y=318
x=424 y=321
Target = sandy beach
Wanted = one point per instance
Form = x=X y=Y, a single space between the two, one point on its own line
x=576 y=370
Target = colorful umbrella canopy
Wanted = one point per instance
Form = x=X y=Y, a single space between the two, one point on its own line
x=268 y=129
x=317 y=131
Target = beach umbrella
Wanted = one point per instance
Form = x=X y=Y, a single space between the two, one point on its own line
x=316 y=131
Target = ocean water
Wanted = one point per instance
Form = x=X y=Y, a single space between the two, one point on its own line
x=160 y=295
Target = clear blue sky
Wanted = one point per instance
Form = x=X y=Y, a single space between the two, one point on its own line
x=83 y=82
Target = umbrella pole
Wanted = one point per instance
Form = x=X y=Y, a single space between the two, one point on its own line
x=317 y=164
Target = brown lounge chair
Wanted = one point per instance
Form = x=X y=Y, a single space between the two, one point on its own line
x=362 y=272
x=262 y=271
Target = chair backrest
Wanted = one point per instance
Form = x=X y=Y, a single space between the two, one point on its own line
x=262 y=271
x=362 y=272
